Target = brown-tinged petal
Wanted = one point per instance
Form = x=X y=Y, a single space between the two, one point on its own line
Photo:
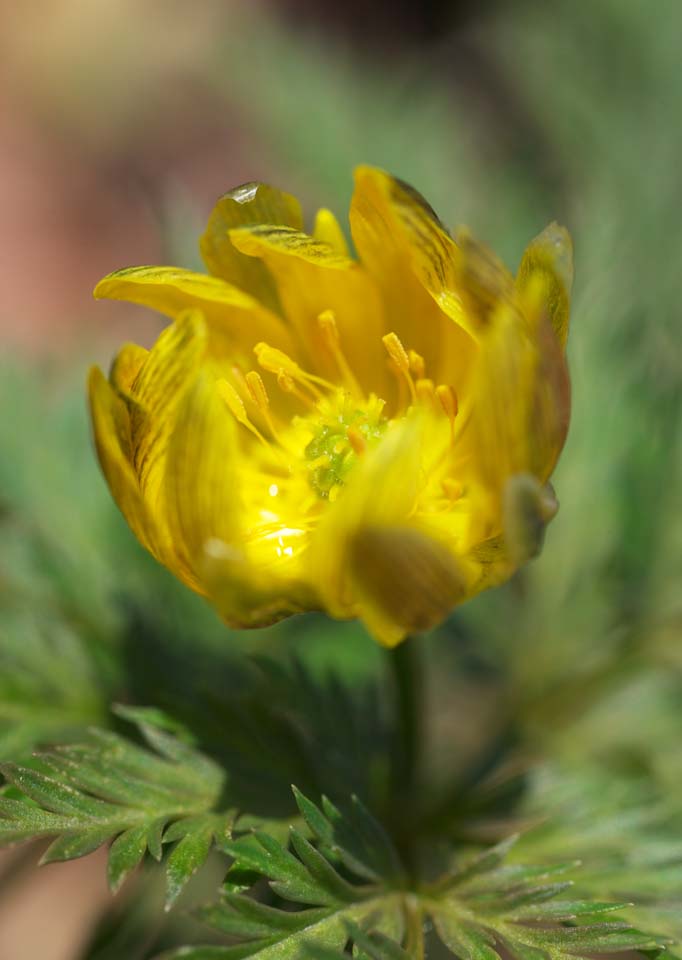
x=407 y=250
x=249 y=204
x=111 y=432
x=545 y=277
x=168 y=371
x=126 y=366
x=528 y=506
x=236 y=320
x=406 y=582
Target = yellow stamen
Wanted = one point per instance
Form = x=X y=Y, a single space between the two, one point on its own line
x=426 y=392
x=448 y=401
x=417 y=365
x=236 y=407
x=287 y=385
x=330 y=333
x=398 y=355
x=276 y=361
x=259 y=395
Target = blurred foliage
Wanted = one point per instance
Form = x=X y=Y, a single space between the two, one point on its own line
x=554 y=703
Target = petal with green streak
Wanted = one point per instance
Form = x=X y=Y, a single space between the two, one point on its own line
x=546 y=274
x=236 y=320
x=252 y=203
x=405 y=247
x=312 y=278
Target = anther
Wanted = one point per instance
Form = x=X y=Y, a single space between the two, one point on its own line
x=426 y=392
x=448 y=401
x=276 y=361
x=397 y=352
x=237 y=409
x=259 y=395
x=257 y=390
x=417 y=365
x=398 y=355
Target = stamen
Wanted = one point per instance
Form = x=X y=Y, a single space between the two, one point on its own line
x=426 y=392
x=417 y=365
x=398 y=355
x=237 y=409
x=356 y=440
x=448 y=401
x=330 y=333
x=287 y=385
x=259 y=395
x=276 y=361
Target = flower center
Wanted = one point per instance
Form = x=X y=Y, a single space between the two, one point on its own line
x=342 y=434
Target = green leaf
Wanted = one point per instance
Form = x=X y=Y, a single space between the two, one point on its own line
x=109 y=789
x=488 y=907
x=355 y=837
x=485 y=908
x=330 y=906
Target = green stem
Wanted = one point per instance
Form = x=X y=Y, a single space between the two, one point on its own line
x=406 y=667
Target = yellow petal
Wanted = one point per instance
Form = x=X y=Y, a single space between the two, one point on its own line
x=313 y=279
x=111 y=432
x=249 y=204
x=328 y=230
x=236 y=320
x=546 y=276
x=201 y=471
x=126 y=366
x=405 y=247
x=246 y=596
x=168 y=371
x=383 y=492
x=406 y=581
x=519 y=410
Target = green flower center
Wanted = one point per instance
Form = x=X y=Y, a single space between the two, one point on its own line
x=337 y=444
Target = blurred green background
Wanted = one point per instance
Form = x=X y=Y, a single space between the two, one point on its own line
x=122 y=122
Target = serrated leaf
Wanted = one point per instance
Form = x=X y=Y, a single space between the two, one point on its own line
x=186 y=858
x=302 y=876
x=70 y=846
x=565 y=910
x=108 y=788
x=355 y=837
x=125 y=855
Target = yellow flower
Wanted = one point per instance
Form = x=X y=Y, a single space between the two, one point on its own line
x=370 y=437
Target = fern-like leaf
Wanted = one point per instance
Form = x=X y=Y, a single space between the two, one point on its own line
x=110 y=789
x=345 y=886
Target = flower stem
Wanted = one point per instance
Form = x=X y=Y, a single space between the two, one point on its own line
x=406 y=667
